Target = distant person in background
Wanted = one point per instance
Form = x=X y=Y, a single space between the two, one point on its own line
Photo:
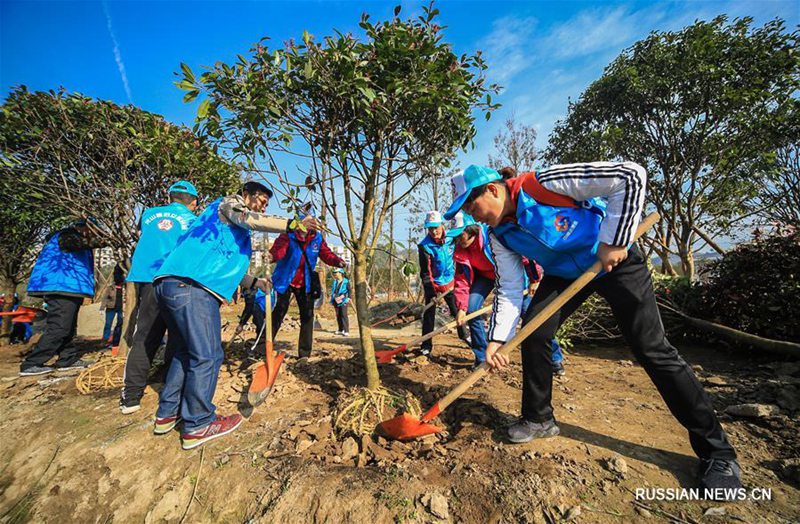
x=64 y=275
x=250 y=311
x=437 y=272
x=340 y=298
x=112 y=302
x=160 y=227
x=296 y=254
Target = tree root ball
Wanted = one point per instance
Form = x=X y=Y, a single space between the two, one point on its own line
x=358 y=411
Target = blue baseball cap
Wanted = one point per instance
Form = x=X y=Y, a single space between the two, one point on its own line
x=183 y=186
x=433 y=219
x=463 y=184
x=458 y=223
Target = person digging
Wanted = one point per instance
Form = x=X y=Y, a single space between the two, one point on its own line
x=565 y=218
x=64 y=276
x=204 y=269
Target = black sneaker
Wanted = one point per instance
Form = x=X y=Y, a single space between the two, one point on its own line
x=31 y=371
x=558 y=369
x=423 y=352
x=721 y=474
x=129 y=406
x=525 y=430
x=78 y=364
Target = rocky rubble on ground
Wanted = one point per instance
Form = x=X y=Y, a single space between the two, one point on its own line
x=398 y=313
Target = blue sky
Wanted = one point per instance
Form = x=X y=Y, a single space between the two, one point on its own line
x=543 y=52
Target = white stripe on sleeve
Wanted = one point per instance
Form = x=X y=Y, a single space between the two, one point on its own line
x=622 y=183
x=508 y=293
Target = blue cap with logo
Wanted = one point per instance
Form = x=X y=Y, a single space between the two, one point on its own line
x=458 y=223
x=433 y=219
x=463 y=184
x=183 y=186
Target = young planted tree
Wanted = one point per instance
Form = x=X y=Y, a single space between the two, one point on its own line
x=79 y=157
x=697 y=108
x=514 y=146
x=367 y=114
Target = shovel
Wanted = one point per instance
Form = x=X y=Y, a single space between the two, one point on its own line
x=264 y=377
x=406 y=427
x=386 y=356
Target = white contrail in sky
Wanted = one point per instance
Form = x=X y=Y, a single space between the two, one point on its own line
x=117 y=54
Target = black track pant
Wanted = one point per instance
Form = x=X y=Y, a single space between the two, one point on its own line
x=149 y=327
x=429 y=318
x=59 y=332
x=341 y=318
x=628 y=289
x=306 y=307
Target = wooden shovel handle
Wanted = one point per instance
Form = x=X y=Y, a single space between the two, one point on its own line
x=449 y=325
x=540 y=318
x=434 y=300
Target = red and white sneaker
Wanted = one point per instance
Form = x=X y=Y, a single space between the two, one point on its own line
x=166 y=424
x=220 y=427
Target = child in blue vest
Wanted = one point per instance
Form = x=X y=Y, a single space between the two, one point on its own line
x=340 y=298
x=64 y=276
x=160 y=228
x=296 y=254
x=203 y=270
x=565 y=218
x=437 y=273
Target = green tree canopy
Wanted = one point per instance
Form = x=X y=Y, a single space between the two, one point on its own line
x=698 y=108
x=79 y=157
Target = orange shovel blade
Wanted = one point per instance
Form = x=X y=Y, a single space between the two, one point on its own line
x=385 y=357
x=263 y=380
x=406 y=427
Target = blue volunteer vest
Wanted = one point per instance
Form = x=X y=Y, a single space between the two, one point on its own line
x=161 y=228
x=340 y=289
x=287 y=266
x=213 y=254
x=261 y=299
x=62 y=272
x=563 y=240
x=442 y=256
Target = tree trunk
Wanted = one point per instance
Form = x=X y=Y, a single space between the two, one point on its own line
x=391 y=249
x=687 y=263
x=362 y=314
x=666 y=265
x=8 y=287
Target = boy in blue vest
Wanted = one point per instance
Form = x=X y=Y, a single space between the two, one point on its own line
x=160 y=228
x=565 y=218
x=340 y=298
x=64 y=276
x=296 y=254
x=437 y=272
x=203 y=270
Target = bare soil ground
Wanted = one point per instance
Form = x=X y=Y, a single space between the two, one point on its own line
x=66 y=457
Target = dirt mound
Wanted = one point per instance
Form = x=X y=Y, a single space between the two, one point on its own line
x=398 y=313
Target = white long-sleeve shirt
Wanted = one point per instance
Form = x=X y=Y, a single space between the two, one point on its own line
x=623 y=184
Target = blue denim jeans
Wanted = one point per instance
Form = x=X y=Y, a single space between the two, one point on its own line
x=480 y=289
x=110 y=315
x=192 y=316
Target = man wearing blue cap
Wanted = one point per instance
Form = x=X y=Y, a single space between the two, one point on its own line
x=565 y=218
x=437 y=272
x=160 y=229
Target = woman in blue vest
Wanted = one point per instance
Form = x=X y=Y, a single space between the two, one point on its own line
x=340 y=298
x=437 y=273
x=203 y=270
x=64 y=276
x=296 y=254
x=565 y=218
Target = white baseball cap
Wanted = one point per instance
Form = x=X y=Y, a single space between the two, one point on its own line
x=433 y=219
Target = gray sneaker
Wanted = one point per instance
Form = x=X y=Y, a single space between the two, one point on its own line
x=719 y=474
x=35 y=370
x=525 y=430
x=78 y=364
